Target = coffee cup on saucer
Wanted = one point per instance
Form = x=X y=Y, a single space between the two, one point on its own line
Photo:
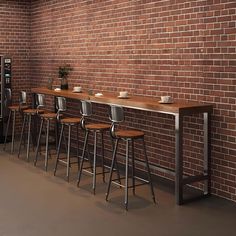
x=77 y=89
x=98 y=94
x=166 y=99
x=123 y=94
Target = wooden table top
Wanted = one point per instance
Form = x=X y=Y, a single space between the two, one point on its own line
x=135 y=102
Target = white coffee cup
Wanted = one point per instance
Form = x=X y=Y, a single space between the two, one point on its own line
x=77 y=89
x=166 y=99
x=98 y=94
x=124 y=94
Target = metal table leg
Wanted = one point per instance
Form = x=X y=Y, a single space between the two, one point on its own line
x=180 y=179
x=207 y=152
x=179 y=159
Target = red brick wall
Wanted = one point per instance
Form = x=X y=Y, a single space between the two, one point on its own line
x=182 y=48
x=14 y=41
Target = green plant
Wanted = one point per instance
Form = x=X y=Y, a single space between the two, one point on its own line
x=64 y=71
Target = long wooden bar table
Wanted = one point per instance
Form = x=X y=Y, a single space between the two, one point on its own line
x=179 y=111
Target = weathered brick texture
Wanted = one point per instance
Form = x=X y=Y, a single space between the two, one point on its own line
x=181 y=48
x=14 y=41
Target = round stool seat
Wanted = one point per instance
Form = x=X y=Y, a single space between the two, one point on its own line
x=97 y=126
x=129 y=134
x=49 y=116
x=33 y=111
x=71 y=120
x=13 y=109
x=17 y=107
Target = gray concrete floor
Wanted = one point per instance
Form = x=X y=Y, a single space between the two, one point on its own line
x=33 y=202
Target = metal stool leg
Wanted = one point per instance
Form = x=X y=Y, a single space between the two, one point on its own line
x=94 y=161
x=116 y=165
x=77 y=153
x=24 y=139
x=111 y=169
x=89 y=157
x=38 y=143
x=56 y=134
x=148 y=171
x=34 y=122
x=103 y=169
x=13 y=132
x=28 y=140
x=58 y=149
x=83 y=156
x=47 y=141
x=133 y=166
x=68 y=155
x=126 y=174
x=65 y=142
x=6 y=134
x=22 y=133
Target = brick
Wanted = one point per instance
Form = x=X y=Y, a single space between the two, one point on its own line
x=185 y=49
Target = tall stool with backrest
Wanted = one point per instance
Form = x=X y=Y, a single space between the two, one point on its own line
x=45 y=117
x=28 y=114
x=13 y=109
x=95 y=128
x=117 y=116
x=68 y=122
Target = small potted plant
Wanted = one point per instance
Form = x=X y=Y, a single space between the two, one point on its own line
x=63 y=73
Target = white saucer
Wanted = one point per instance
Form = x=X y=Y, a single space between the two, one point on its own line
x=124 y=97
x=75 y=91
x=170 y=102
x=57 y=89
x=98 y=95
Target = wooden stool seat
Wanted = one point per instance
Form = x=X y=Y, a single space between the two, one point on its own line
x=49 y=116
x=33 y=111
x=129 y=134
x=70 y=120
x=14 y=107
x=97 y=126
x=18 y=107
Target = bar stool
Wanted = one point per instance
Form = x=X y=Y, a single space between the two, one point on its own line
x=45 y=117
x=117 y=116
x=13 y=109
x=69 y=122
x=28 y=114
x=94 y=128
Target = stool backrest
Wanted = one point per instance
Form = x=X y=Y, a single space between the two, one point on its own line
x=86 y=110
x=60 y=105
x=22 y=98
x=7 y=101
x=40 y=100
x=116 y=115
x=8 y=96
